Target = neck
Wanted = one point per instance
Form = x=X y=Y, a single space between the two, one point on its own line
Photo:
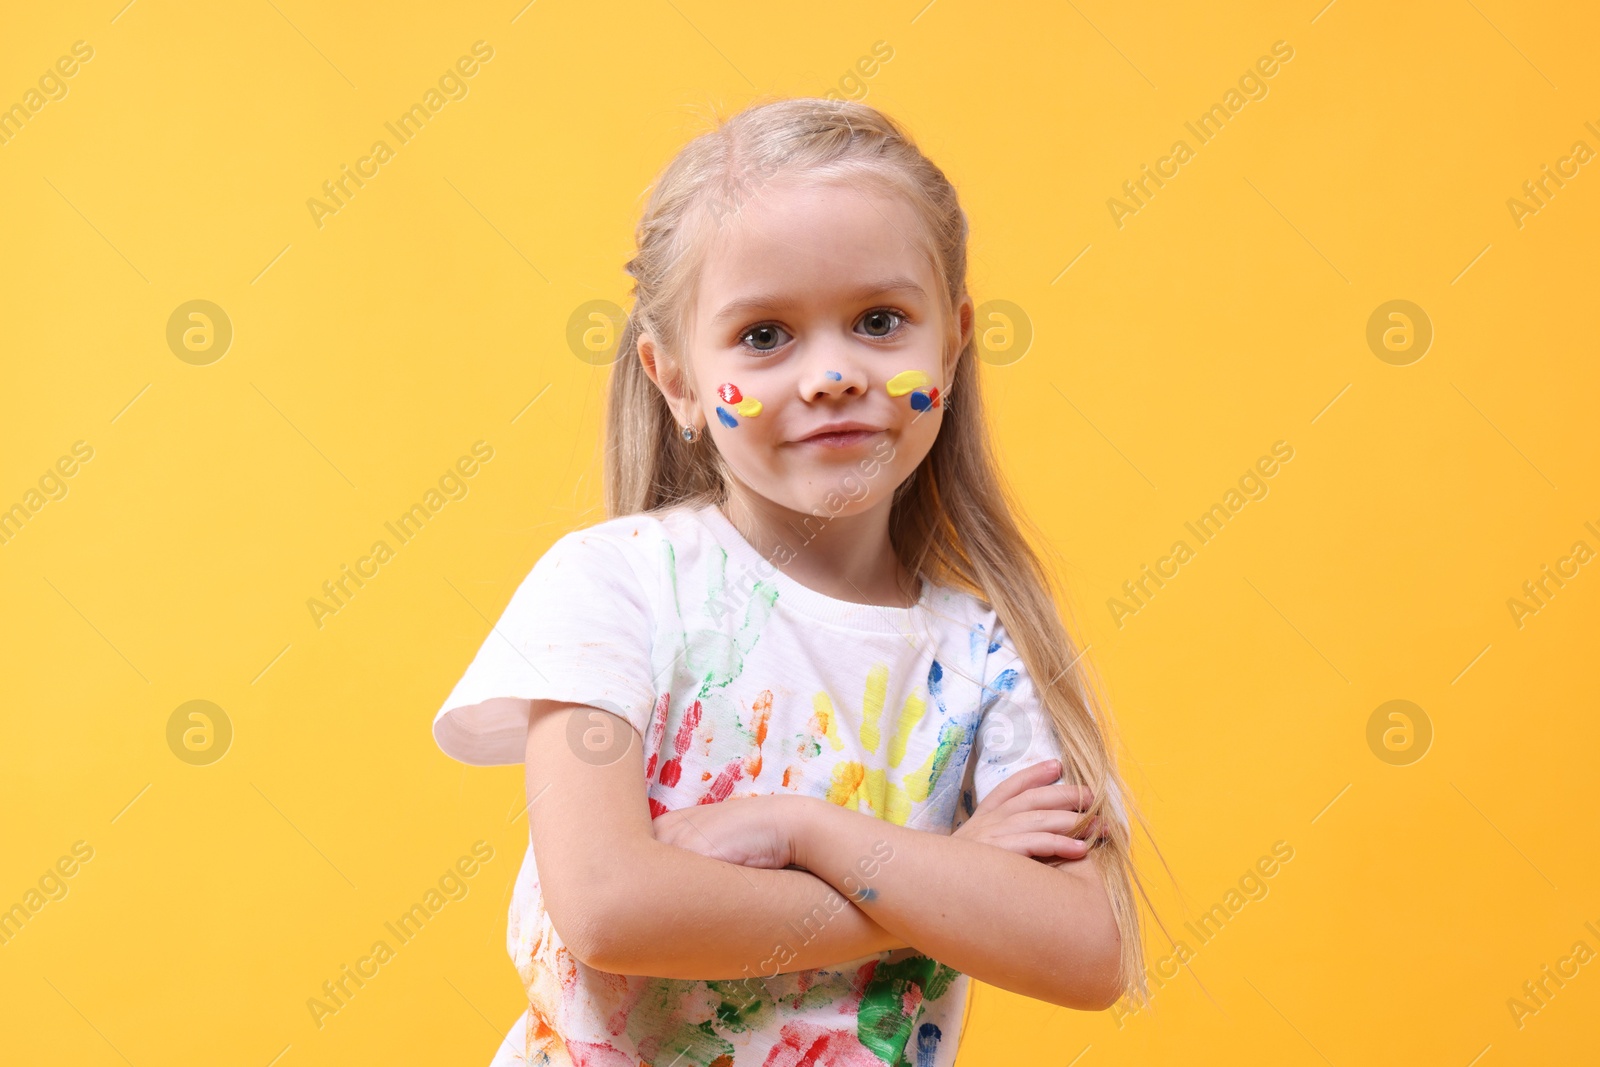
x=846 y=556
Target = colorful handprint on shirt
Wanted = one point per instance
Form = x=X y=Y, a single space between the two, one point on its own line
x=853 y=782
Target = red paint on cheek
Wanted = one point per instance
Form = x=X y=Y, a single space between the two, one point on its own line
x=729 y=393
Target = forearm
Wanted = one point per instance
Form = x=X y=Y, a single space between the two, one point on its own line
x=722 y=921
x=1003 y=918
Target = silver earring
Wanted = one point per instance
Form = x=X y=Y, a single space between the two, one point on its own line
x=690 y=434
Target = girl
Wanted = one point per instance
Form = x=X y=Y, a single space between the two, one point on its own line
x=806 y=740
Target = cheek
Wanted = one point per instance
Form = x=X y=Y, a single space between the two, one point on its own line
x=918 y=390
x=735 y=409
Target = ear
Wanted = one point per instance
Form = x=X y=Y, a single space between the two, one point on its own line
x=664 y=372
x=964 y=322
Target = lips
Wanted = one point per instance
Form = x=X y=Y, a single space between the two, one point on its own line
x=840 y=439
x=841 y=435
x=842 y=429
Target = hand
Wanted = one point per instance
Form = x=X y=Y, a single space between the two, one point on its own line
x=1028 y=815
x=748 y=831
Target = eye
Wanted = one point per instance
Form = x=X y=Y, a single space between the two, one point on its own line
x=880 y=317
x=766 y=333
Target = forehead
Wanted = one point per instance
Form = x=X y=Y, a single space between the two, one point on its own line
x=811 y=244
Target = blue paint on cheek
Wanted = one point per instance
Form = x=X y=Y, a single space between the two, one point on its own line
x=726 y=419
x=920 y=400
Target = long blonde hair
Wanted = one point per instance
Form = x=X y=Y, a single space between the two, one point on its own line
x=952 y=522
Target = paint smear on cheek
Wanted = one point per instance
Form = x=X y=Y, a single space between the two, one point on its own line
x=924 y=394
x=907 y=380
x=729 y=394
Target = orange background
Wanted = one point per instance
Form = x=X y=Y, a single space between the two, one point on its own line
x=1167 y=354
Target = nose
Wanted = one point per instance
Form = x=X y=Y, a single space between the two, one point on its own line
x=828 y=377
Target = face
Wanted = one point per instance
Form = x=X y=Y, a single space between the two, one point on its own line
x=814 y=311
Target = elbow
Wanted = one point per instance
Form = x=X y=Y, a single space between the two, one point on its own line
x=603 y=951
x=591 y=927
x=1098 y=981
x=1099 y=985
x=1104 y=996
x=1096 y=988
x=1093 y=980
x=579 y=935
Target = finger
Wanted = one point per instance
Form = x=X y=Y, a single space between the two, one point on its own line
x=1055 y=796
x=1044 y=820
x=1044 y=846
x=1036 y=774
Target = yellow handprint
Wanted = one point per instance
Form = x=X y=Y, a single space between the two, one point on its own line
x=853 y=782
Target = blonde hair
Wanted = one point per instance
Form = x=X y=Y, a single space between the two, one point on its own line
x=952 y=521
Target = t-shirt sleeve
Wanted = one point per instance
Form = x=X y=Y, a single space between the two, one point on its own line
x=1014 y=729
x=578 y=630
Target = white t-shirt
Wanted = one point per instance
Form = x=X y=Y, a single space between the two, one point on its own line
x=743 y=682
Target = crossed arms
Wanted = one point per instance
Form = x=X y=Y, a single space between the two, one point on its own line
x=627 y=902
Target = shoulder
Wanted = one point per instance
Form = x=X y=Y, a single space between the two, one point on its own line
x=637 y=559
x=624 y=531
x=968 y=619
x=639 y=541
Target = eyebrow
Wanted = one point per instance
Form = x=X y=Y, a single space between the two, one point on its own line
x=765 y=301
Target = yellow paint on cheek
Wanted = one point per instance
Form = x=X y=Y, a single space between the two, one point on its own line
x=907 y=380
x=749 y=407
